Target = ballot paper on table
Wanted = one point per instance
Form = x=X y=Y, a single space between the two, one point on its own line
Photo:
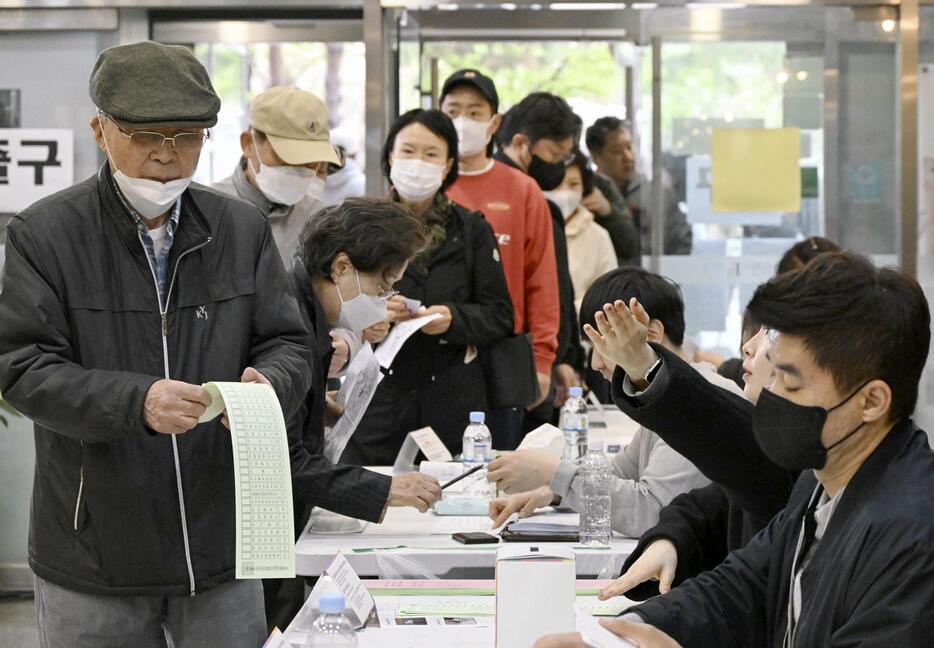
x=360 y=383
x=398 y=336
x=425 y=440
x=262 y=477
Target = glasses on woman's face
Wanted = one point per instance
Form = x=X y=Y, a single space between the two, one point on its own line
x=385 y=293
x=187 y=142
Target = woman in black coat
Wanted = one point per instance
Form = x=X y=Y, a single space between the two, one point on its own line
x=436 y=379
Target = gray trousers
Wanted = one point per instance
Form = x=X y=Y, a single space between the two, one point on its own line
x=229 y=616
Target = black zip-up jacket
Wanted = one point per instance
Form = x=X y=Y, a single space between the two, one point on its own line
x=868 y=582
x=713 y=429
x=118 y=509
x=345 y=489
x=431 y=382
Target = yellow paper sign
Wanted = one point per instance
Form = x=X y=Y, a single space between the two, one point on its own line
x=756 y=170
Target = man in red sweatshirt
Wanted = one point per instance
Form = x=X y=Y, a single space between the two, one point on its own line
x=514 y=206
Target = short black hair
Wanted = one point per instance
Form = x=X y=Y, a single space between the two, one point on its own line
x=802 y=252
x=858 y=322
x=541 y=115
x=583 y=164
x=378 y=236
x=435 y=121
x=660 y=296
x=601 y=129
x=750 y=327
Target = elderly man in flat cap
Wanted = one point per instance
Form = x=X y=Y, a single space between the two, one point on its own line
x=121 y=296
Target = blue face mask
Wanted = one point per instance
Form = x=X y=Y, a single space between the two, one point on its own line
x=361 y=312
x=790 y=434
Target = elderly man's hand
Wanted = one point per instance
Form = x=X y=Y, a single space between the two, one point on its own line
x=521 y=471
x=174 y=407
x=414 y=489
x=622 y=337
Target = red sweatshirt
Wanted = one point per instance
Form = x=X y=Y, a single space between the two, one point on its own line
x=516 y=210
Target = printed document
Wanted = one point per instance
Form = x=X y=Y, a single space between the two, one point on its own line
x=262 y=478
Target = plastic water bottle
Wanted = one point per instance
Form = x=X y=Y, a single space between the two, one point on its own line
x=478 y=441
x=478 y=449
x=595 y=475
x=331 y=629
x=574 y=424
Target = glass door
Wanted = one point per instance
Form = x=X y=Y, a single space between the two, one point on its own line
x=326 y=58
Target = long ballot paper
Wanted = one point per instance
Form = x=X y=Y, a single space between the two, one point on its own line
x=262 y=477
x=398 y=336
x=363 y=376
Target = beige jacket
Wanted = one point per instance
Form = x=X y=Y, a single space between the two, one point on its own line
x=590 y=252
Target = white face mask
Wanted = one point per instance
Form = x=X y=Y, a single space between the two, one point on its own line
x=567 y=200
x=471 y=136
x=150 y=198
x=416 y=179
x=361 y=312
x=286 y=185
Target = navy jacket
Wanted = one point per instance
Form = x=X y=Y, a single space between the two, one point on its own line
x=870 y=581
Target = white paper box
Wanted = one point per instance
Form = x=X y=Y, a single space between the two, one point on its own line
x=534 y=593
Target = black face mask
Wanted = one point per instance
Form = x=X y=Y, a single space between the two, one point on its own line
x=548 y=175
x=790 y=434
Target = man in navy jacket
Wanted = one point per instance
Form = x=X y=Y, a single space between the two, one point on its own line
x=850 y=561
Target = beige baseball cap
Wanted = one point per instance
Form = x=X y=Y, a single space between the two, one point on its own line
x=296 y=124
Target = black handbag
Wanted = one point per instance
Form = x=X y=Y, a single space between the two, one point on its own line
x=508 y=363
x=509 y=372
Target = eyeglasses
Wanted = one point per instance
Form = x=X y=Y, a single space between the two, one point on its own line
x=342 y=154
x=385 y=293
x=188 y=142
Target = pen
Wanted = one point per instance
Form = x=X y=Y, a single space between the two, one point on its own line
x=469 y=472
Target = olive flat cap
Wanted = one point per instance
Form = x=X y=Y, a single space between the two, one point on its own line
x=148 y=84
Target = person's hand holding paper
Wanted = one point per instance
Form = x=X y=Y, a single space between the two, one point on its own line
x=249 y=375
x=439 y=326
x=414 y=489
x=173 y=406
x=376 y=333
x=399 y=310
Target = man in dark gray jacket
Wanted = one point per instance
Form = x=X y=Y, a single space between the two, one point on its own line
x=121 y=296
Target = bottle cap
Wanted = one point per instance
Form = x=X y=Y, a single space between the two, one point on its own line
x=477 y=417
x=576 y=392
x=594 y=445
x=331 y=603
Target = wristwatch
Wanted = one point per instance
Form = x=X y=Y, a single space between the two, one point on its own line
x=643 y=383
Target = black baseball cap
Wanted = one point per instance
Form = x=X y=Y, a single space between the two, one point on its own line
x=476 y=79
